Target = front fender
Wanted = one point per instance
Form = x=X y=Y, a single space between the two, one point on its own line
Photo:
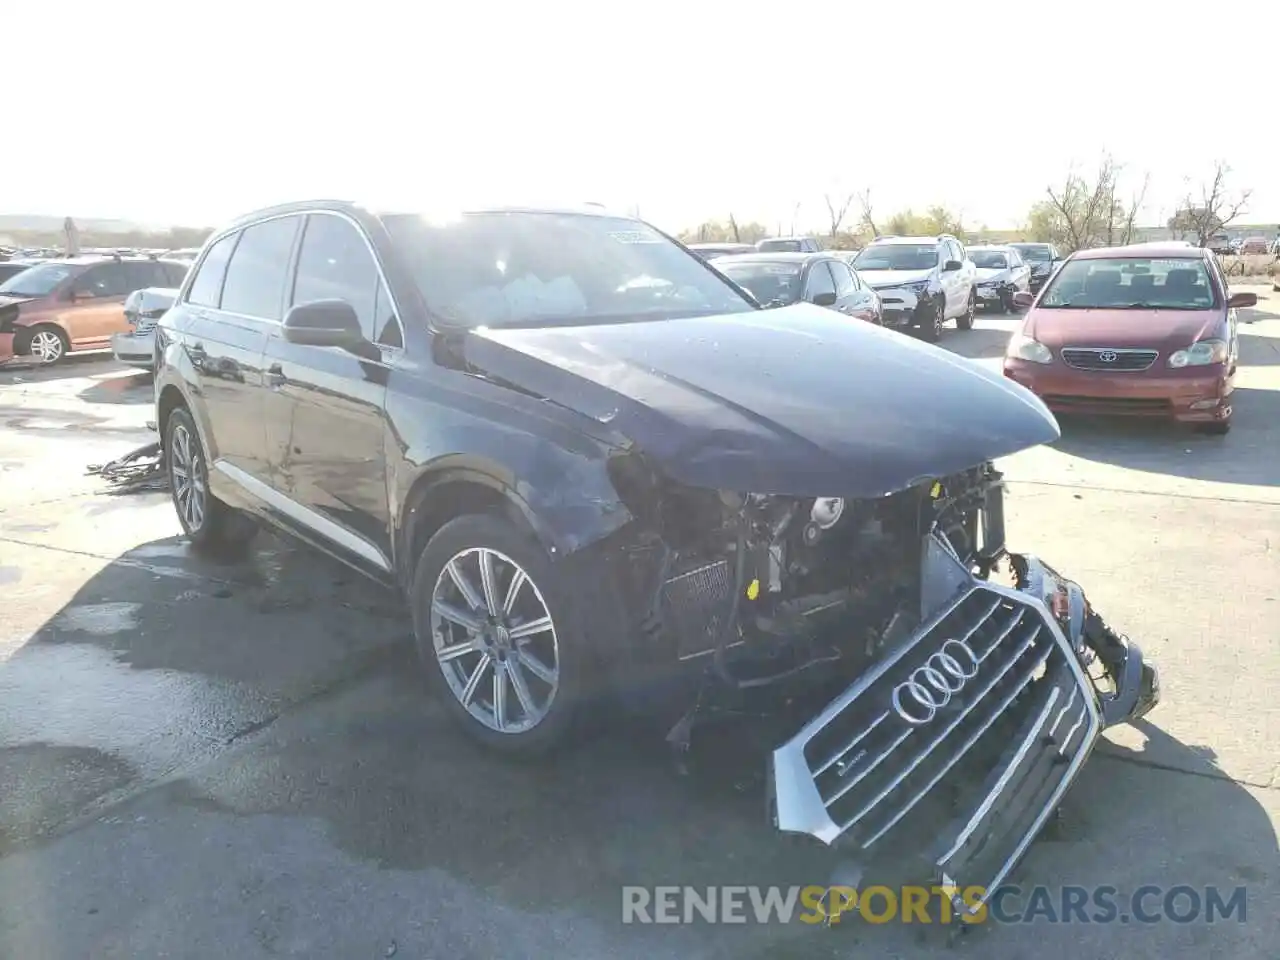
x=539 y=457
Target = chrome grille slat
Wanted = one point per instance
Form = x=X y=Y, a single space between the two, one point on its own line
x=968 y=745
x=990 y=612
x=1122 y=359
x=840 y=754
x=955 y=722
x=989 y=800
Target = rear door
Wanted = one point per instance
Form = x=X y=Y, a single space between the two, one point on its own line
x=235 y=300
x=326 y=429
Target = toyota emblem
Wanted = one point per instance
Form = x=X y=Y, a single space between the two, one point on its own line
x=918 y=699
x=1107 y=356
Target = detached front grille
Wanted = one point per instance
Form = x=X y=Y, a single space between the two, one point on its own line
x=967 y=735
x=1100 y=358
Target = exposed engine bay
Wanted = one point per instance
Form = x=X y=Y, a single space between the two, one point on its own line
x=958 y=708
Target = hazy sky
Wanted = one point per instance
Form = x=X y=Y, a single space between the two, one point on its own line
x=194 y=112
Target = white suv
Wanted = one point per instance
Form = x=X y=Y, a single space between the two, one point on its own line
x=923 y=282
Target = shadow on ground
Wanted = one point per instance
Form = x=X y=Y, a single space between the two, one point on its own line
x=21 y=370
x=1245 y=456
x=133 y=387
x=282 y=691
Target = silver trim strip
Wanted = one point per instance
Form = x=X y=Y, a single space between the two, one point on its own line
x=304 y=516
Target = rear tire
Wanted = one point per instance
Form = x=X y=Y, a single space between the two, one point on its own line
x=517 y=693
x=209 y=523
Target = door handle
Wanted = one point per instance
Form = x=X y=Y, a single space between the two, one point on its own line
x=197 y=354
x=275 y=375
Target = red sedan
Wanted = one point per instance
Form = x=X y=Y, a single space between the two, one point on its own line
x=1137 y=331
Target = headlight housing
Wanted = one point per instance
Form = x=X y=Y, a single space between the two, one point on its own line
x=918 y=287
x=1200 y=354
x=1025 y=348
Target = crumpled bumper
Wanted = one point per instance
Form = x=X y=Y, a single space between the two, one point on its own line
x=949 y=756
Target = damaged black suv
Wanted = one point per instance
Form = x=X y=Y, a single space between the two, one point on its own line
x=594 y=465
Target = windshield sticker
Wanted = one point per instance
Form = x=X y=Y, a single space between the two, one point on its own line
x=635 y=236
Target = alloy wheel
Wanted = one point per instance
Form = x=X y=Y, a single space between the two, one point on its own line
x=46 y=346
x=190 y=486
x=495 y=640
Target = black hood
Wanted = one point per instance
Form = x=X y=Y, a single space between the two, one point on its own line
x=798 y=400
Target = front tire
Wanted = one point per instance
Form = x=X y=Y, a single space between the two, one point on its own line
x=208 y=522
x=497 y=627
x=45 y=344
x=1215 y=428
x=931 y=329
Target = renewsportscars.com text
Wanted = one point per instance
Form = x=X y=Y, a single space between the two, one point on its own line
x=1148 y=904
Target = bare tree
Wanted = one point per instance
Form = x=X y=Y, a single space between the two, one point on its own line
x=1086 y=211
x=836 y=211
x=1213 y=209
x=868 y=219
x=733 y=225
x=795 y=214
x=1139 y=198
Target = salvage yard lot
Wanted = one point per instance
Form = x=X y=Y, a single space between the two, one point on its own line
x=237 y=760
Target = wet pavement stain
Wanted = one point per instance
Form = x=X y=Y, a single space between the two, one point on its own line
x=100 y=619
x=44 y=784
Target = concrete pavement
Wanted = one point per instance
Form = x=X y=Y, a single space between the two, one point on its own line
x=207 y=760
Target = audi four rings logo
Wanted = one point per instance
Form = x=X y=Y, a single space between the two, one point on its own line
x=930 y=687
x=1107 y=356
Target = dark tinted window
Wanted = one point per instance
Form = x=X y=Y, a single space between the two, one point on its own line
x=145 y=273
x=844 y=278
x=258 y=269
x=206 y=288
x=385 y=321
x=819 y=281
x=104 y=280
x=175 y=273
x=335 y=264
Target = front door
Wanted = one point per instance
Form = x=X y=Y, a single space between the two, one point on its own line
x=326 y=423
x=95 y=307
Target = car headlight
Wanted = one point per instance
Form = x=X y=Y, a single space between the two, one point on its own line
x=1025 y=348
x=919 y=288
x=1200 y=354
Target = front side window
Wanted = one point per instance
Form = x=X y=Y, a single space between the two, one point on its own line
x=780 y=246
x=898 y=256
x=1132 y=283
x=145 y=273
x=510 y=268
x=845 y=284
x=104 y=280
x=335 y=264
x=819 y=281
x=206 y=286
x=773 y=284
x=38 y=281
x=259 y=267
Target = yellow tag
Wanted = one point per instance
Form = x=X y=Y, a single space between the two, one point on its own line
x=936 y=492
x=753 y=589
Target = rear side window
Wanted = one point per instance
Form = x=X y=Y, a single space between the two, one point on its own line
x=206 y=287
x=335 y=264
x=104 y=280
x=255 y=281
x=145 y=274
x=174 y=273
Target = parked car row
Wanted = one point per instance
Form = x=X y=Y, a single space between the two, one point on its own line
x=59 y=306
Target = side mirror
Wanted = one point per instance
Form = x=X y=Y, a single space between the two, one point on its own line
x=825 y=299
x=323 y=323
x=1242 y=300
x=1023 y=299
x=951 y=266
